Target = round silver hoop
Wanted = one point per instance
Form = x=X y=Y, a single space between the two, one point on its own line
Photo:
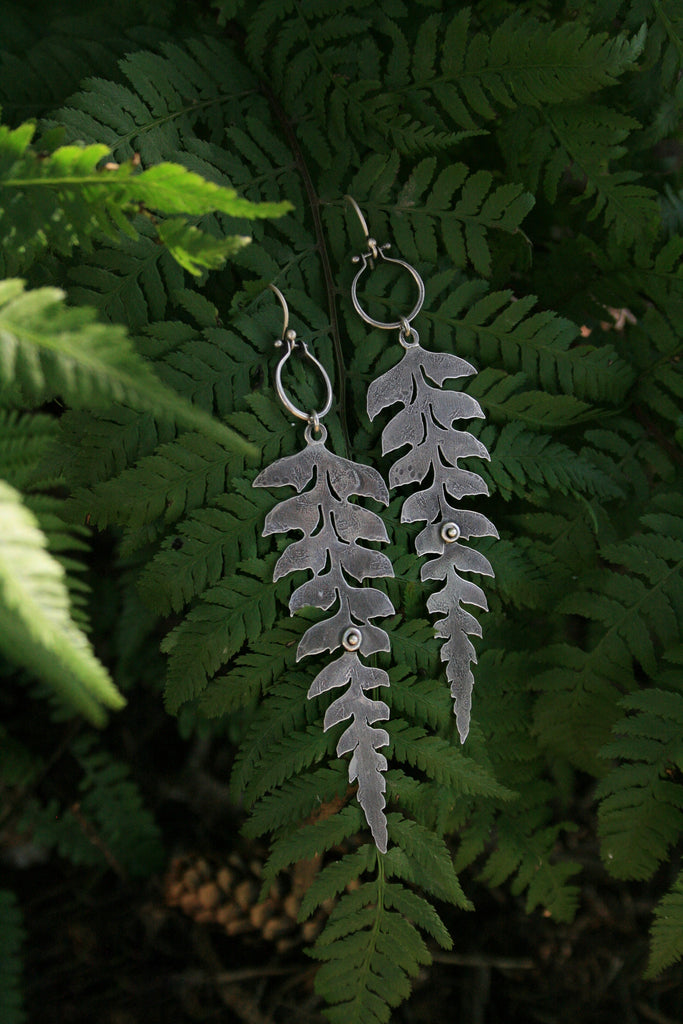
x=312 y=418
x=364 y=258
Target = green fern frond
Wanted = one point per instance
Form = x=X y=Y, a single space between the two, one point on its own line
x=528 y=854
x=496 y=328
x=504 y=396
x=302 y=749
x=450 y=205
x=67 y=197
x=195 y=250
x=307 y=841
x=206 y=545
x=11 y=940
x=36 y=626
x=523 y=63
x=419 y=699
x=299 y=797
x=666 y=944
x=634 y=611
x=332 y=879
x=522 y=461
x=51 y=350
x=109 y=824
x=422 y=857
x=658 y=349
x=254 y=672
x=641 y=806
x=44 y=60
x=580 y=142
x=23 y=442
x=236 y=609
x=447 y=75
x=286 y=711
x=362 y=975
x=638 y=609
x=181 y=476
x=441 y=761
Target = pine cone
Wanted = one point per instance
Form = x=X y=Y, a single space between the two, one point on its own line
x=227 y=895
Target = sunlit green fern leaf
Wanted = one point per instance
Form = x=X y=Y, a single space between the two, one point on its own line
x=51 y=350
x=66 y=197
x=193 y=249
x=11 y=941
x=36 y=626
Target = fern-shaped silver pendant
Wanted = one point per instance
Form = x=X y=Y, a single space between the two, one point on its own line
x=425 y=425
x=332 y=527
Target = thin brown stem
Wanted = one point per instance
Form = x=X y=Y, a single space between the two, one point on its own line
x=314 y=204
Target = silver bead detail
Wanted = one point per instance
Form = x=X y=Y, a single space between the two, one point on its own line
x=450 y=532
x=352 y=639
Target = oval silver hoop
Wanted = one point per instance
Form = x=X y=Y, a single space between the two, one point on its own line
x=378 y=253
x=311 y=417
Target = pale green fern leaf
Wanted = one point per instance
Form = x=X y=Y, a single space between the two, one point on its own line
x=52 y=350
x=36 y=627
x=63 y=199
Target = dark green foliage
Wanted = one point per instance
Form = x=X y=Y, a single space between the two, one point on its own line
x=109 y=826
x=11 y=938
x=523 y=164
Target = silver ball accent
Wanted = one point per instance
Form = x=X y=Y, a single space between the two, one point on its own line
x=352 y=639
x=450 y=532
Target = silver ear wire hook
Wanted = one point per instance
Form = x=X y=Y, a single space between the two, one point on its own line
x=290 y=340
x=359 y=214
x=366 y=259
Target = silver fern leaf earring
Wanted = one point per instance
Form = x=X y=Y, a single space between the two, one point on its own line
x=425 y=425
x=332 y=528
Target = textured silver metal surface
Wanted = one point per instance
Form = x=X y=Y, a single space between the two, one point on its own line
x=332 y=527
x=425 y=426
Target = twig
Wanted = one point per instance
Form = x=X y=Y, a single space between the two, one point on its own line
x=92 y=835
x=233 y=995
x=653 y=1015
x=234 y=977
x=61 y=748
x=314 y=204
x=500 y=963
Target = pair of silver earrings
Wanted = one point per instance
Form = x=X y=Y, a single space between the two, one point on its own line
x=334 y=529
